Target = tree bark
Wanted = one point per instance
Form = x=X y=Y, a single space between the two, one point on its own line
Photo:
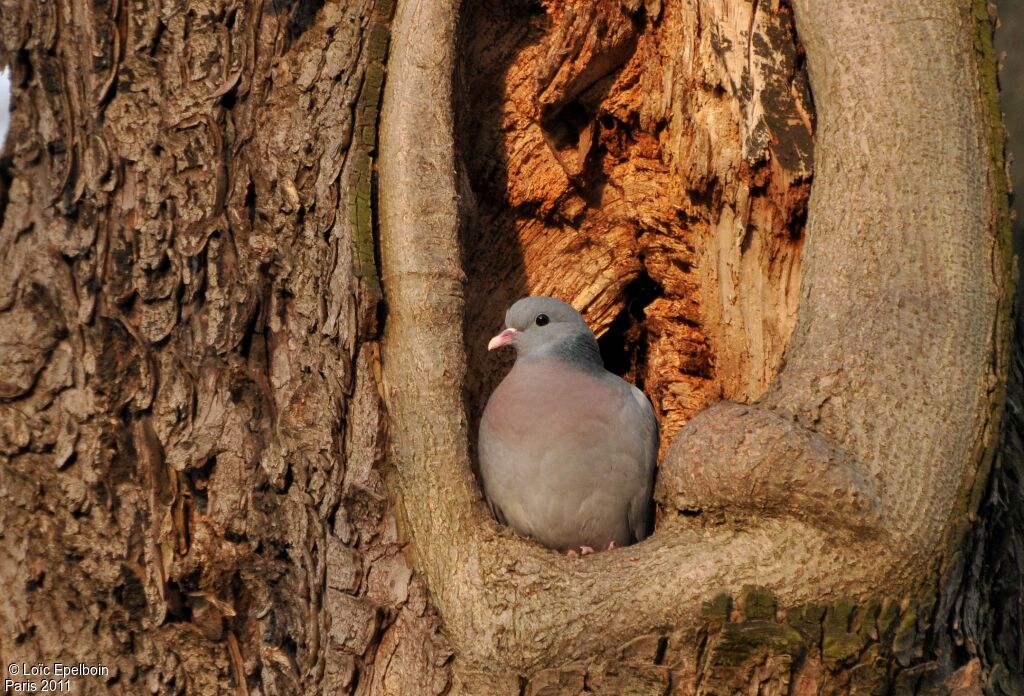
x=239 y=378
x=193 y=480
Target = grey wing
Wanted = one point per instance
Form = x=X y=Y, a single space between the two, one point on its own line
x=488 y=451
x=639 y=510
x=495 y=510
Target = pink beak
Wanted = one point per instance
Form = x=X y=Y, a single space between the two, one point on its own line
x=502 y=339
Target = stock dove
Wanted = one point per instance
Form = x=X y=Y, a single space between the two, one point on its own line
x=567 y=449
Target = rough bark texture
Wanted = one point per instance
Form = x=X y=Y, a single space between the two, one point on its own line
x=193 y=437
x=190 y=428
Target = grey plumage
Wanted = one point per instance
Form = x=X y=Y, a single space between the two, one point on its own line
x=567 y=449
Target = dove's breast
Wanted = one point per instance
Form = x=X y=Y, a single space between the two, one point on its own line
x=564 y=453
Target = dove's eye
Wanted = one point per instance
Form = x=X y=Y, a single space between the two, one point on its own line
x=542 y=319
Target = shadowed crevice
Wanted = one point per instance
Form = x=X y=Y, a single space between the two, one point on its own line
x=624 y=344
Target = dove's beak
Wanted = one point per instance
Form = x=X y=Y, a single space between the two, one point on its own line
x=502 y=339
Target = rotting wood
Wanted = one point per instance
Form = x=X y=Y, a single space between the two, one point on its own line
x=649 y=164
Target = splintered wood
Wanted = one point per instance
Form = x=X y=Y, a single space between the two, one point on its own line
x=651 y=165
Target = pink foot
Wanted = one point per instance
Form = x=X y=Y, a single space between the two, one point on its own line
x=571 y=553
x=611 y=546
x=586 y=550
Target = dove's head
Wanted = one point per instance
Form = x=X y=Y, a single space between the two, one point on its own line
x=543 y=326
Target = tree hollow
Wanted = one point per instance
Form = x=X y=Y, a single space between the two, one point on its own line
x=895 y=344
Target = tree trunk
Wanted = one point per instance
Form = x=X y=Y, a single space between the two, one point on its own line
x=193 y=440
x=239 y=380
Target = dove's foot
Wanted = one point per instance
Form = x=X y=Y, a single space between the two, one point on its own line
x=611 y=546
